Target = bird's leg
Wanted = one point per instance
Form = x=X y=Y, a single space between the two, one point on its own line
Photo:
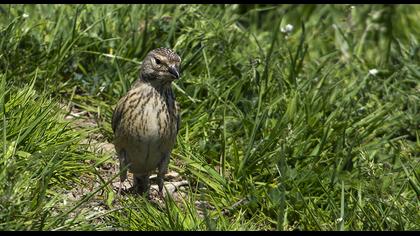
x=163 y=169
x=122 y=156
x=119 y=189
x=141 y=184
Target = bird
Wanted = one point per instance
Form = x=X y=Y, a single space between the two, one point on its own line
x=146 y=120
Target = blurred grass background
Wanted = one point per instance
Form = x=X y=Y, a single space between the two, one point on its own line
x=311 y=126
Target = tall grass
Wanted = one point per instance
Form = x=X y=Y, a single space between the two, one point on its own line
x=312 y=129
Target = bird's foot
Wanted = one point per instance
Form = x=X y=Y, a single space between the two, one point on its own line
x=161 y=195
x=119 y=190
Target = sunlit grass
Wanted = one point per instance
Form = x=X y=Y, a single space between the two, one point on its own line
x=312 y=129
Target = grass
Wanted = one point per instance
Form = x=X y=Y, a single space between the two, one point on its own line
x=313 y=129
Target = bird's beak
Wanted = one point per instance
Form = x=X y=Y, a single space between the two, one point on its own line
x=174 y=71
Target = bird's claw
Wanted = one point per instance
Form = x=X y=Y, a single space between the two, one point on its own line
x=119 y=189
x=160 y=194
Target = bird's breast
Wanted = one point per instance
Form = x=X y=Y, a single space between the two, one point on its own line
x=157 y=120
x=155 y=116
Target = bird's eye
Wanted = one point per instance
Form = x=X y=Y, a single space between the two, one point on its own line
x=157 y=61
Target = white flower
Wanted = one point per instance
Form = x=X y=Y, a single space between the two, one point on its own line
x=287 y=29
x=373 y=71
x=25 y=15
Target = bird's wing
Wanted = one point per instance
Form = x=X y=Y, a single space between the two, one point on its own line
x=116 y=116
x=122 y=154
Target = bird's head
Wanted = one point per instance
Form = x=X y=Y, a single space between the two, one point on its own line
x=161 y=64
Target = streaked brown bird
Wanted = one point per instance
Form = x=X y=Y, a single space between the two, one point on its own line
x=146 y=120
